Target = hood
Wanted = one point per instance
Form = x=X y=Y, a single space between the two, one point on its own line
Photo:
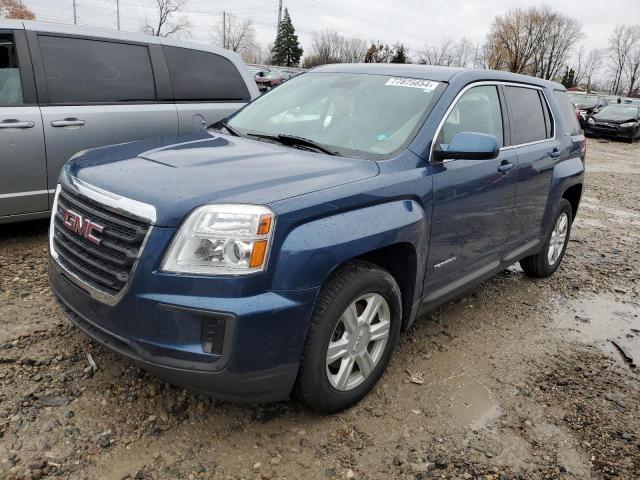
x=615 y=119
x=177 y=174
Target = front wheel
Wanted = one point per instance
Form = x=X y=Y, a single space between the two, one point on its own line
x=545 y=263
x=352 y=333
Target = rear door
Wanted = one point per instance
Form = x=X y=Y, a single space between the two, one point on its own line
x=96 y=92
x=538 y=147
x=207 y=87
x=23 y=182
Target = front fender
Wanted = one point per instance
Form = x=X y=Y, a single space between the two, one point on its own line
x=313 y=250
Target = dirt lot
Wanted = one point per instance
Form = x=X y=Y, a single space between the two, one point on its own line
x=521 y=379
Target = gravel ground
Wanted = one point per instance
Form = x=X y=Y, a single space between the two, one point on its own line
x=520 y=379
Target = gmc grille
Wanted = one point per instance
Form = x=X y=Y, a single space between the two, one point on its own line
x=106 y=266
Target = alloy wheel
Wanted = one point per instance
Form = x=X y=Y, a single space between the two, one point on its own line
x=558 y=238
x=358 y=341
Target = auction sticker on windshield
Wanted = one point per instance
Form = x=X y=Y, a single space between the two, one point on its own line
x=426 y=85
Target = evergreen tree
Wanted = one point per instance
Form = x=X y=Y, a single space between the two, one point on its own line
x=286 y=50
x=400 y=54
x=568 y=79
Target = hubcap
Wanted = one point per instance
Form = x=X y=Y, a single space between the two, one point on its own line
x=358 y=341
x=558 y=238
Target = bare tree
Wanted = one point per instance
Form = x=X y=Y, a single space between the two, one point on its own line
x=516 y=37
x=235 y=35
x=561 y=35
x=166 y=26
x=463 y=54
x=15 y=9
x=353 y=50
x=442 y=54
x=327 y=47
x=633 y=72
x=622 y=42
x=586 y=65
x=378 y=53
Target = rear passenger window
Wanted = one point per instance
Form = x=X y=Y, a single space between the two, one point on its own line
x=204 y=76
x=478 y=110
x=10 y=86
x=529 y=113
x=567 y=113
x=94 y=71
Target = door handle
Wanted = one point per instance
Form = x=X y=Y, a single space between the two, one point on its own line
x=14 y=123
x=555 y=153
x=68 y=122
x=505 y=167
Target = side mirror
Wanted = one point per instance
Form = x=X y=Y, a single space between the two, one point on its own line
x=469 y=146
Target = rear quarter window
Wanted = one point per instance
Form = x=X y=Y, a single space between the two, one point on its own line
x=530 y=118
x=204 y=76
x=567 y=113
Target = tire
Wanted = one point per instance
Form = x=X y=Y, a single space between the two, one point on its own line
x=323 y=386
x=543 y=264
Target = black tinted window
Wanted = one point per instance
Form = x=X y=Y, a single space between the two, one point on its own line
x=197 y=75
x=86 y=71
x=567 y=113
x=10 y=86
x=528 y=118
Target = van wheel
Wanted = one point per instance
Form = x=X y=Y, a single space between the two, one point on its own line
x=353 y=330
x=545 y=263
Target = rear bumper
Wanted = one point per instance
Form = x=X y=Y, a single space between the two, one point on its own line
x=263 y=337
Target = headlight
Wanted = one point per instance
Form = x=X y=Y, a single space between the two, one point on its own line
x=591 y=121
x=229 y=239
x=628 y=125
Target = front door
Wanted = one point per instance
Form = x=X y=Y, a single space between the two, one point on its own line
x=473 y=200
x=23 y=181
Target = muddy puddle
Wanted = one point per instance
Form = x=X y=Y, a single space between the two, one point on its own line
x=611 y=324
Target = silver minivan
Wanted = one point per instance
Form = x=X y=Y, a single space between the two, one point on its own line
x=64 y=89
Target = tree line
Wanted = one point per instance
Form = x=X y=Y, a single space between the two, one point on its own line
x=534 y=41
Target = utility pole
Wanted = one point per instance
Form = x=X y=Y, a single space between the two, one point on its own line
x=75 y=17
x=118 y=12
x=224 y=29
x=279 y=17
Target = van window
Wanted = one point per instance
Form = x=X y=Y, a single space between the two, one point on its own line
x=529 y=120
x=478 y=110
x=567 y=113
x=95 y=71
x=10 y=85
x=203 y=76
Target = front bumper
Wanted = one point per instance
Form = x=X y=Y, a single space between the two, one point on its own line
x=612 y=132
x=162 y=332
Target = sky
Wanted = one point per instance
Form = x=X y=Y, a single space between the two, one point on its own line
x=412 y=22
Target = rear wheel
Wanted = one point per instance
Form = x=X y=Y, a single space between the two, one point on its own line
x=353 y=330
x=545 y=263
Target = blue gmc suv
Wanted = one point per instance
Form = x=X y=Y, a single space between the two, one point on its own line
x=283 y=251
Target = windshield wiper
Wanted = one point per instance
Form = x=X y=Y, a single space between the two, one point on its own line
x=293 y=141
x=306 y=142
x=228 y=128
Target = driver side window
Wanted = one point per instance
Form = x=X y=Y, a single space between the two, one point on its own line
x=478 y=110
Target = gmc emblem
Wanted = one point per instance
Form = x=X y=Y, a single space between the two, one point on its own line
x=82 y=226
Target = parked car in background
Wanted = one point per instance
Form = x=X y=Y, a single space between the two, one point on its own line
x=617 y=121
x=587 y=105
x=64 y=89
x=315 y=225
x=266 y=79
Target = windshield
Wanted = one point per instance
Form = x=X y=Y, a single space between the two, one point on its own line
x=586 y=102
x=618 y=112
x=351 y=114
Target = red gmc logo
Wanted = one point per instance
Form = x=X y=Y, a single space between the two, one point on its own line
x=82 y=226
